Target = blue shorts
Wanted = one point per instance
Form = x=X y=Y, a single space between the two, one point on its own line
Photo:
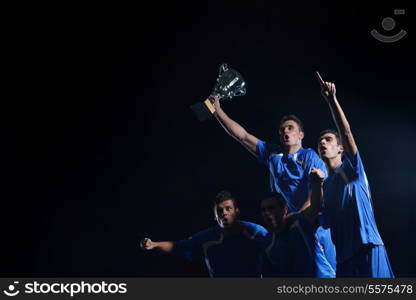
x=370 y=262
x=324 y=238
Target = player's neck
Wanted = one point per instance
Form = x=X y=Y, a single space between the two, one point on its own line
x=234 y=229
x=281 y=226
x=333 y=163
x=292 y=149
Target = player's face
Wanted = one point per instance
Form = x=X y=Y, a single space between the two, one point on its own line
x=290 y=133
x=272 y=214
x=226 y=213
x=328 y=146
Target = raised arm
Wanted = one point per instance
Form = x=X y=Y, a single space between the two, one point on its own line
x=148 y=244
x=316 y=177
x=328 y=90
x=233 y=128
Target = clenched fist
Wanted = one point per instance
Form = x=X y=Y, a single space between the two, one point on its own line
x=317 y=176
x=215 y=99
x=147 y=244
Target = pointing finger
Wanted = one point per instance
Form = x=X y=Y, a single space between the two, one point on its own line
x=319 y=78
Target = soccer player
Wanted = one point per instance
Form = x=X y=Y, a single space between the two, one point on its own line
x=289 y=165
x=230 y=249
x=291 y=246
x=348 y=208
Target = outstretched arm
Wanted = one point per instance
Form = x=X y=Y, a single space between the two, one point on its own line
x=148 y=244
x=317 y=178
x=233 y=128
x=328 y=90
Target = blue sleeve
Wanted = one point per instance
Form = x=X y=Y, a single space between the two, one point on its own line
x=263 y=151
x=352 y=165
x=261 y=232
x=191 y=248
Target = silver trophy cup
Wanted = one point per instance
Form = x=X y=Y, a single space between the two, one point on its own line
x=229 y=83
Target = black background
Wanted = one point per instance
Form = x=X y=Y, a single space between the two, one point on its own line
x=100 y=148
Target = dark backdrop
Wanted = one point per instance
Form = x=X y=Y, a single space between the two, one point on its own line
x=100 y=147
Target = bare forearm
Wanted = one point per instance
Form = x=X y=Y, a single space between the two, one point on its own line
x=236 y=130
x=312 y=211
x=328 y=90
x=342 y=124
x=317 y=178
x=305 y=205
x=231 y=127
x=164 y=246
x=338 y=115
x=316 y=198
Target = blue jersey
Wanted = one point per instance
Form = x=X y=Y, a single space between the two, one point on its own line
x=289 y=172
x=348 y=209
x=238 y=255
x=296 y=252
x=289 y=176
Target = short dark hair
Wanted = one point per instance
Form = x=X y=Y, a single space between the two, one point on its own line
x=333 y=131
x=292 y=118
x=224 y=196
x=280 y=200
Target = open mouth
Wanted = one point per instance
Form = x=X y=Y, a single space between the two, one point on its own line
x=285 y=138
x=269 y=220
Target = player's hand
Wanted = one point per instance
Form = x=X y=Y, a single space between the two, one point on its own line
x=316 y=176
x=146 y=244
x=328 y=89
x=215 y=99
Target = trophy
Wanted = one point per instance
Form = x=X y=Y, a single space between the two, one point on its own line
x=229 y=83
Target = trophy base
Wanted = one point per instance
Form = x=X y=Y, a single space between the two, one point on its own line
x=203 y=110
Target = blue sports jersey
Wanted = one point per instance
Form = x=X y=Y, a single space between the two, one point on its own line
x=227 y=255
x=348 y=209
x=289 y=172
x=296 y=252
x=289 y=176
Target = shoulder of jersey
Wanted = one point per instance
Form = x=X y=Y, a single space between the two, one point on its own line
x=310 y=151
x=211 y=230
x=253 y=226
